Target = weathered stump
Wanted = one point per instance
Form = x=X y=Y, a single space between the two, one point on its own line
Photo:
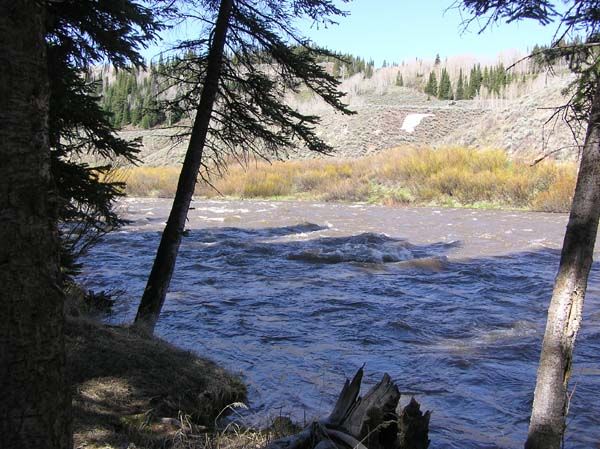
x=368 y=422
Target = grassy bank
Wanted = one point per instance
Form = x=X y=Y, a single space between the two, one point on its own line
x=445 y=177
x=132 y=391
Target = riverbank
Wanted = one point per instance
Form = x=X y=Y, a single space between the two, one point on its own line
x=447 y=177
x=134 y=391
x=452 y=303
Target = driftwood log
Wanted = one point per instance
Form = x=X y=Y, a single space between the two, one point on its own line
x=368 y=422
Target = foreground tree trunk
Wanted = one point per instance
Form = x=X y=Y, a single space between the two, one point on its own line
x=368 y=422
x=34 y=395
x=550 y=403
x=164 y=263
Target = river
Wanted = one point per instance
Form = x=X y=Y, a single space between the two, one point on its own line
x=296 y=296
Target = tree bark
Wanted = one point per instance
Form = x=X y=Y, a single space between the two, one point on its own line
x=550 y=404
x=34 y=395
x=164 y=263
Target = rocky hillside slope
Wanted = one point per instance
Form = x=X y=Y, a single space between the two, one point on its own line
x=389 y=116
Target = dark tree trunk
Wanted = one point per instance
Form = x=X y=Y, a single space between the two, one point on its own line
x=35 y=404
x=550 y=403
x=164 y=263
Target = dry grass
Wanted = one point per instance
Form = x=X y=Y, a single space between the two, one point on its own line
x=420 y=176
x=148 y=181
x=129 y=389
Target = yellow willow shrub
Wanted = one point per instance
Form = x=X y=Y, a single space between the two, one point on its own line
x=232 y=182
x=558 y=197
x=266 y=183
x=310 y=180
x=415 y=165
x=487 y=160
x=445 y=176
x=481 y=186
x=149 y=181
x=462 y=185
x=348 y=189
x=445 y=182
x=317 y=175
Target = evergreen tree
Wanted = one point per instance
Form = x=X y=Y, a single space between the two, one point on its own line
x=460 y=88
x=432 y=86
x=485 y=79
x=500 y=78
x=146 y=123
x=475 y=81
x=136 y=115
x=126 y=116
x=369 y=69
x=337 y=68
x=437 y=59
x=241 y=108
x=445 y=87
x=80 y=33
x=399 y=79
x=36 y=405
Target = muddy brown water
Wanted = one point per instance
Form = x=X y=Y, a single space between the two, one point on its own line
x=296 y=296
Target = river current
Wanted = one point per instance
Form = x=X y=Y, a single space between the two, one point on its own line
x=296 y=296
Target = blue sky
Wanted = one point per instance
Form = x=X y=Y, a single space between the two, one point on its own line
x=396 y=30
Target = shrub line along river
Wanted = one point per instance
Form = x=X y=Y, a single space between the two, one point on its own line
x=450 y=302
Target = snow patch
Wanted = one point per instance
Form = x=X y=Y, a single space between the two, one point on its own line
x=411 y=121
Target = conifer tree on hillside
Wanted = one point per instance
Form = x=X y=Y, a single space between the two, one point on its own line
x=238 y=96
x=369 y=69
x=399 y=79
x=431 y=88
x=475 y=78
x=460 y=87
x=337 y=68
x=445 y=87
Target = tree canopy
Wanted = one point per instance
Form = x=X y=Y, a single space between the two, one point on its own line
x=236 y=83
x=79 y=34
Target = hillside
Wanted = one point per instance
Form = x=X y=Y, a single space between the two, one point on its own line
x=486 y=107
x=395 y=116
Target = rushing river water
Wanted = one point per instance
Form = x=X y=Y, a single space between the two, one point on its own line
x=296 y=296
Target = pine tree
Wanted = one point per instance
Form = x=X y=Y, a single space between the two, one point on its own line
x=241 y=108
x=126 y=115
x=337 y=68
x=369 y=69
x=445 y=87
x=432 y=86
x=475 y=81
x=460 y=88
x=36 y=405
x=500 y=78
x=399 y=79
x=485 y=80
x=161 y=63
x=81 y=33
x=437 y=59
